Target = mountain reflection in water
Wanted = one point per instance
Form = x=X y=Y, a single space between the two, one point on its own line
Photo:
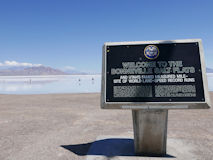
x=57 y=84
x=50 y=84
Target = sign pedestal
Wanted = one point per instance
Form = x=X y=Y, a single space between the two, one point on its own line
x=150 y=132
x=150 y=77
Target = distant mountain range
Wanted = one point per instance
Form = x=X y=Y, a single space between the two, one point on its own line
x=209 y=70
x=74 y=72
x=28 y=71
x=44 y=70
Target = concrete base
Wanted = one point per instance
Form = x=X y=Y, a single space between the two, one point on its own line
x=150 y=132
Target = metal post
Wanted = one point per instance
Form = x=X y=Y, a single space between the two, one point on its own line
x=150 y=132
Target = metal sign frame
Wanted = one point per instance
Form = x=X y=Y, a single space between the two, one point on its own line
x=155 y=105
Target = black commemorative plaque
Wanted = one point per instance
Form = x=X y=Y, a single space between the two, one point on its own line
x=167 y=72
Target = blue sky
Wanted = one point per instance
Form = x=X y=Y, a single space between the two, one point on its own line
x=60 y=33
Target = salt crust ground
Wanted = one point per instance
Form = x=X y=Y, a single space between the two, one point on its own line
x=73 y=127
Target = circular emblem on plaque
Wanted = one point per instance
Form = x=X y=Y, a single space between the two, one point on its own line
x=151 y=52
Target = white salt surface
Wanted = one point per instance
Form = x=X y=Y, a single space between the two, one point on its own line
x=50 y=84
x=57 y=84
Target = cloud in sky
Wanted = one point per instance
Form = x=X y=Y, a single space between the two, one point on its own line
x=18 y=64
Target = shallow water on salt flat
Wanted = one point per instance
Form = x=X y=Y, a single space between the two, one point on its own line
x=57 y=84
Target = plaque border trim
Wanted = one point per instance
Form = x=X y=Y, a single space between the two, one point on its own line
x=155 y=105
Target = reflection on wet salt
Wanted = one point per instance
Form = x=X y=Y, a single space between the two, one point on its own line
x=57 y=84
x=49 y=84
x=210 y=81
x=17 y=87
